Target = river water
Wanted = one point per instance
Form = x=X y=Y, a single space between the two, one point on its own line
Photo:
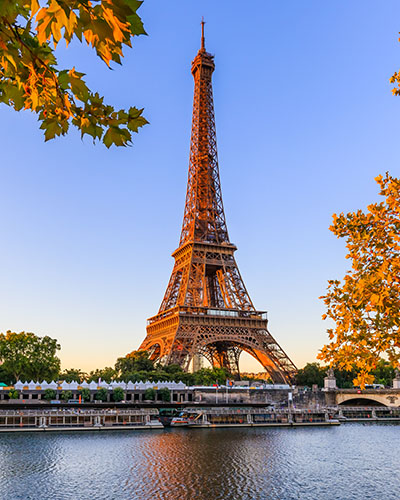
x=353 y=461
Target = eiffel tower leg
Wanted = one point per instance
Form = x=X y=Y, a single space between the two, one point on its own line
x=207 y=354
x=223 y=355
x=265 y=360
x=236 y=352
x=179 y=355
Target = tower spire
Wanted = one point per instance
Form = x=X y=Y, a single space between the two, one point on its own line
x=204 y=218
x=203 y=40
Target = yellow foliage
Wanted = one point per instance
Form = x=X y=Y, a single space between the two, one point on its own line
x=365 y=306
x=30 y=31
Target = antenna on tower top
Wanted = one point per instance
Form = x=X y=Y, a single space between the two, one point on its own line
x=202 y=33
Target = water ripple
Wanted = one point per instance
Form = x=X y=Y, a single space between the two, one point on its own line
x=350 y=462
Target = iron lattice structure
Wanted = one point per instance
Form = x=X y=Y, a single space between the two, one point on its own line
x=206 y=309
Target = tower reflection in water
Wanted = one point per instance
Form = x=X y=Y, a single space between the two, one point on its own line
x=204 y=463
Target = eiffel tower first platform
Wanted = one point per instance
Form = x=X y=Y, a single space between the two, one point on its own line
x=206 y=309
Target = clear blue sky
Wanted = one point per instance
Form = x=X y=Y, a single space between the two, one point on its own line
x=305 y=121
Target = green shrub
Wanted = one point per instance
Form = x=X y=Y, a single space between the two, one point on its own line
x=165 y=394
x=13 y=394
x=66 y=395
x=150 y=394
x=118 y=394
x=101 y=394
x=49 y=394
x=85 y=394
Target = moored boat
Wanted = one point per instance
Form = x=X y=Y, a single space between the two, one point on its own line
x=256 y=417
x=78 y=419
x=185 y=418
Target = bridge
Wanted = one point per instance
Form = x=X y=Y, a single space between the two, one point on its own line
x=366 y=397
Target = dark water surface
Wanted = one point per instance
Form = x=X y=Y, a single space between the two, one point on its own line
x=353 y=461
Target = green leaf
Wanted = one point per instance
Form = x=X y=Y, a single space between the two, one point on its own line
x=116 y=136
x=51 y=128
x=79 y=89
x=135 y=120
x=136 y=23
x=136 y=123
x=63 y=78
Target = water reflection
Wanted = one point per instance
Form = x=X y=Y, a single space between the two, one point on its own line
x=345 y=463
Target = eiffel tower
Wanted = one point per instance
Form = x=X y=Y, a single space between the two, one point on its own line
x=206 y=310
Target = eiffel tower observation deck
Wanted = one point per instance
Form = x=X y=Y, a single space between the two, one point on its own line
x=206 y=310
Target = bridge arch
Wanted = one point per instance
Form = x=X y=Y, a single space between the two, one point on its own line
x=361 y=402
x=368 y=398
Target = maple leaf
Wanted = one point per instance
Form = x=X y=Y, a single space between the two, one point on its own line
x=30 y=31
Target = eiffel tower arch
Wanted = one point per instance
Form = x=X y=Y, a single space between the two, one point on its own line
x=206 y=309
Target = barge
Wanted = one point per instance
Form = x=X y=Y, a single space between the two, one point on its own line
x=368 y=414
x=252 y=417
x=89 y=419
x=64 y=419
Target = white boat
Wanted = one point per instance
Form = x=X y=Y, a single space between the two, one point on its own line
x=185 y=418
x=179 y=421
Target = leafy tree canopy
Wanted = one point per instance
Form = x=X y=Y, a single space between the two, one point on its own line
x=395 y=79
x=73 y=375
x=205 y=376
x=30 y=78
x=314 y=373
x=384 y=373
x=311 y=374
x=366 y=305
x=135 y=361
x=107 y=374
x=5 y=376
x=29 y=357
x=210 y=376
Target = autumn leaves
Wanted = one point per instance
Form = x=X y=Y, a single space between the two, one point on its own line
x=30 y=79
x=365 y=306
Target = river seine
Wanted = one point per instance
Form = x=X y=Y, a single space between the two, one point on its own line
x=353 y=461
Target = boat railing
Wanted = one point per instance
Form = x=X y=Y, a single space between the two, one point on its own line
x=256 y=411
x=77 y=412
